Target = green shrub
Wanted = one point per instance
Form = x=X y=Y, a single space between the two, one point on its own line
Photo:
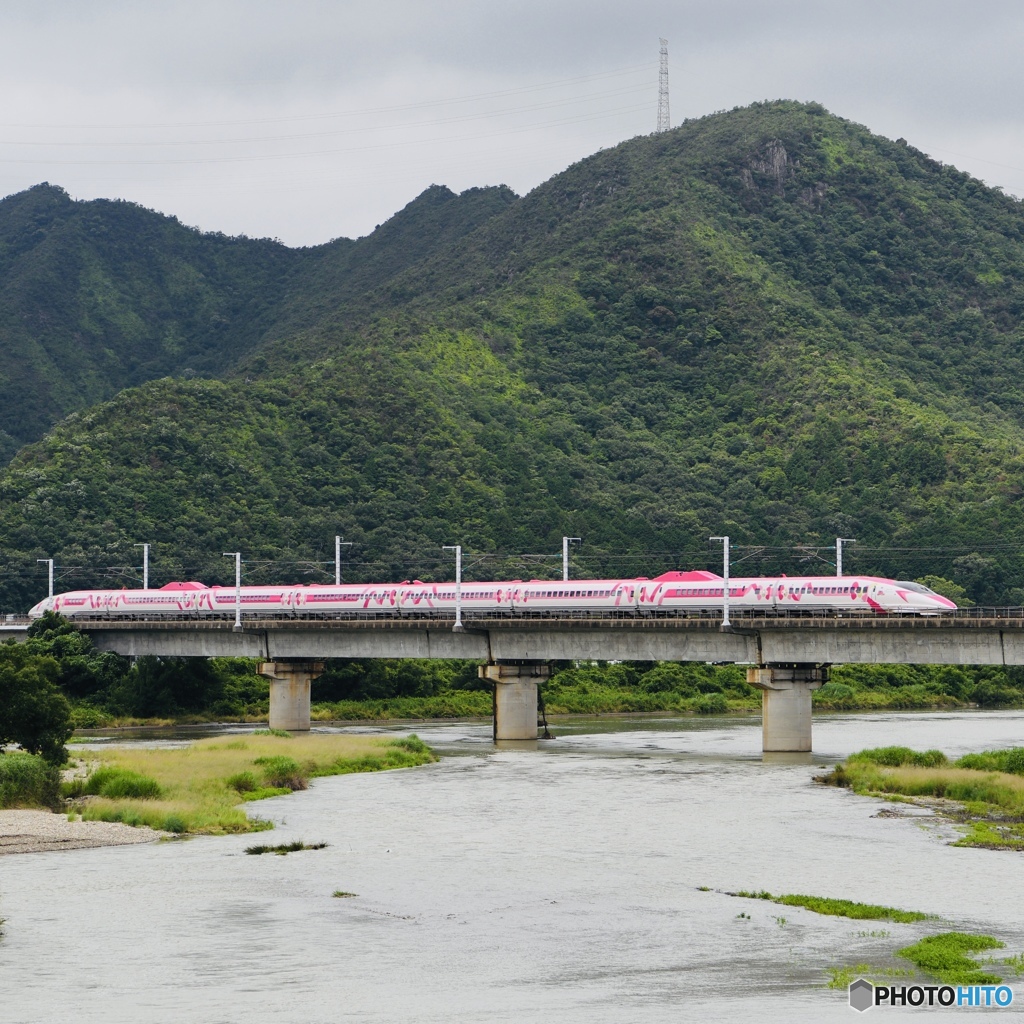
x=282 y=772
x=990 y=695
x=411 y=743
x=85 y=716
x=897 y=757
x=834 y=693
x=28 y=780
x=174 y=823
x=121 y=783
x=243 y=782
x=711 y=704
x=1010 y=761
x=668 y=677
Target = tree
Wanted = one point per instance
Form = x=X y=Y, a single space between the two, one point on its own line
x=33 y=711
x=947 y=588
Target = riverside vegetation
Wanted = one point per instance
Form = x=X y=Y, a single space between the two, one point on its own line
x=198 y=788
x=767 y=322
x=983 y=793
x=944 y=956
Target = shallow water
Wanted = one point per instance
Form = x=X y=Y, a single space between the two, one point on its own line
x=555 y=884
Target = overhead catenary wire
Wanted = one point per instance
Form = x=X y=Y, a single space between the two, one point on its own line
x=538 y=560
x=263 y=157
x=457 y=119
x=369 y=111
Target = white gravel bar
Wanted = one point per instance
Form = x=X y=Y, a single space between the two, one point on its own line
x=41 y=831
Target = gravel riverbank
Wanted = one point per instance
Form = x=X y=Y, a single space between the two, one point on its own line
x=40 y=831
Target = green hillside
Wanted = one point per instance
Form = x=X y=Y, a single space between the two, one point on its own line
x=767 y=322
x=99 y=296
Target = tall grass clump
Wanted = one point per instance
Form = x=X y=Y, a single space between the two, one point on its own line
x=121 y=783
x=282 y=772
x=27 y=780
x=1009 y=761
x=897 y=757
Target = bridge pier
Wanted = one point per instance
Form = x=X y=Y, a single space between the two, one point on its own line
x=289 y=692
x=515 y=697
x=786 y=704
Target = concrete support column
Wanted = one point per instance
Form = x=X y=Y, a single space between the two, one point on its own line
x=786 y=704
x=289 y=692
x=515 y=697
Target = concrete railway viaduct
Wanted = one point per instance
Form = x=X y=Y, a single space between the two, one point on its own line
x=786 y=656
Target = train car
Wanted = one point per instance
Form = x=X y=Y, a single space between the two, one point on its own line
x=671 y=593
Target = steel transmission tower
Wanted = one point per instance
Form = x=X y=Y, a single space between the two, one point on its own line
x=664 y=121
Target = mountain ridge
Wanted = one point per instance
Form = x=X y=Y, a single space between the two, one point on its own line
x=767 y=322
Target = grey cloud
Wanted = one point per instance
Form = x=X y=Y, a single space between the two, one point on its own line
x=941 y=73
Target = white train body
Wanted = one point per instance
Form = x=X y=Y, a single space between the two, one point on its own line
x=672 y=592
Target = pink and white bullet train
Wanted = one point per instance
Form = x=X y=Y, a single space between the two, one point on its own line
x=672 y=592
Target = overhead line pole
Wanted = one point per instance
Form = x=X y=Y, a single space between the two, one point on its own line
x=49 y=563
x=840 y=541
x=725 y=589
x=566 y=541
x=338 y=545
x=237 y=556
x=145 y=565
x=457 y=548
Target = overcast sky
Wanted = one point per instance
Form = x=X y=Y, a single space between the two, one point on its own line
x=308 y=119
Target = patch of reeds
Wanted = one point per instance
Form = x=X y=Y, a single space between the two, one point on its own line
x=202 y=785
x=897 y=757
x=838 y=908
x=26 y=780
x=121 y=783
x=282 y=772
x=1009 y=761
x=966 y=785
x=342 y=895
x=284 y=848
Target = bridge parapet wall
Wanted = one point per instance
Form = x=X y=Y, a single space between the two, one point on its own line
x=756 y=642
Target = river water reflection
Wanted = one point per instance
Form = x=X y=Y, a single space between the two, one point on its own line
x=556 y=884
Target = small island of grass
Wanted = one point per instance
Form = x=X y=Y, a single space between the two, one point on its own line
x=983 y=793
x=199 y=788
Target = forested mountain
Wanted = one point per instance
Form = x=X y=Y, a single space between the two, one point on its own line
x=768 y=323
x=98 y=296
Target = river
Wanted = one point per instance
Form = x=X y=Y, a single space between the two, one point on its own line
x=559 y=884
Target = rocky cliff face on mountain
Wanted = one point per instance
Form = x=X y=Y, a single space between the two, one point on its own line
x=768 y=323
